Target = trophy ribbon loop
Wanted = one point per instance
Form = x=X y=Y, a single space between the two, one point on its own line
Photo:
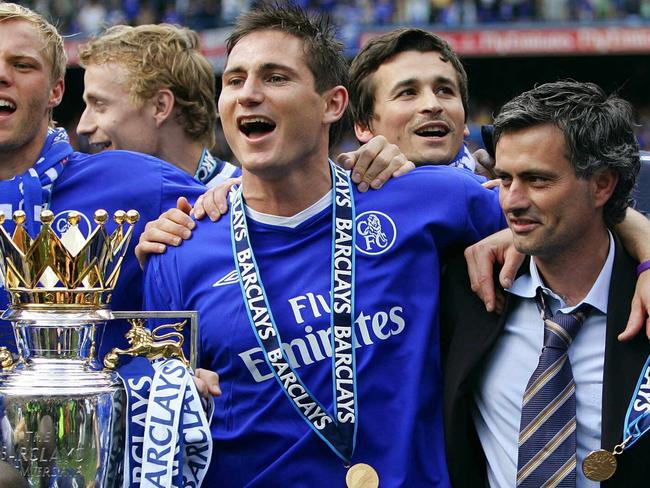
x=168 y=440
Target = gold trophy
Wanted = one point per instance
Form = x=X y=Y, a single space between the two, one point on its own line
x=61 y=412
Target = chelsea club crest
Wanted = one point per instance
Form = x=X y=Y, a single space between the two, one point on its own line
x=376 y=232
x=60 y=224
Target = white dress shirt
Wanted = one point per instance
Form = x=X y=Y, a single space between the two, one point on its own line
x=508 y=367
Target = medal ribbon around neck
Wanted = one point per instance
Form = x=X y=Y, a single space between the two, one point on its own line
x=637 y=419
x=601 y=464
x=337 y=431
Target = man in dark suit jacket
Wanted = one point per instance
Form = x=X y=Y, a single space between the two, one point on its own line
x=563 y=188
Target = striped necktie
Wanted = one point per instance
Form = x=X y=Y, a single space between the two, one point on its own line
x=547 y=432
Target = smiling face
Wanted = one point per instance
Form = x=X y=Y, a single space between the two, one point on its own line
x=418 y=107
x=550 y=211
x=273 y=117
x=111 y=119
x=27 y=92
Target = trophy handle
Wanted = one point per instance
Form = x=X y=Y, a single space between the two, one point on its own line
x=163 y=342
x=6 y=358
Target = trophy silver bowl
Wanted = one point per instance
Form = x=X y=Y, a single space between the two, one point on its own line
x=61 y=414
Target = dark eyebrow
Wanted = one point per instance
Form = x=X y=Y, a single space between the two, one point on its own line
x=264 y=67
x=445 y=80
x=440 y=80
x=404 y=83
x=538 y=172
x=278 y=66
x=534 y=172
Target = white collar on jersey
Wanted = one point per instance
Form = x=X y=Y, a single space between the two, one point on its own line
x=295 y=220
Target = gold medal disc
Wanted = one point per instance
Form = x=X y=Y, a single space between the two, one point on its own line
x=599 y=465
x=362 y=476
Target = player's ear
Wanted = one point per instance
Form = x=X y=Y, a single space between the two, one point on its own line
x=56 y=93
x=335 y=103
x=163 y=105
x=363 y=132
x=603 y=184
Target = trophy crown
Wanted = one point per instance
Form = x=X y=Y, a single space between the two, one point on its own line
x=70 y=271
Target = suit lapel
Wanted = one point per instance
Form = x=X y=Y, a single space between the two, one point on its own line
x=623 y=361
x=482 y=336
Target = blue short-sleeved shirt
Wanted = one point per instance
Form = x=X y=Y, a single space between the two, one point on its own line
x=402 y=233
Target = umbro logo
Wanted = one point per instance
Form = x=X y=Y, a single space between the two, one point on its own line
x=230 y=279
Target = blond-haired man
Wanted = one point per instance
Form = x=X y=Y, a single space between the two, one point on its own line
x=39 y=169
x=149 y=89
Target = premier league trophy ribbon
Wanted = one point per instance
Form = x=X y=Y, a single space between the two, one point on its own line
x=64 y=414
x=601 y=465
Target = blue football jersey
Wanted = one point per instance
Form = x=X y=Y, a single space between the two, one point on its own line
x=113 y=180
x=403 y=231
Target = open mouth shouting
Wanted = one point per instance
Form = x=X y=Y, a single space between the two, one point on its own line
x=255 y=127
x=7 y=107
x=433 y=130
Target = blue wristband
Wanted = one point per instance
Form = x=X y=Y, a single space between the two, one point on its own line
x=642 y=267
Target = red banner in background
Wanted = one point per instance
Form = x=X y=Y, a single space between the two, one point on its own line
x=213 y=47
x=478 y=42
x=513 y=42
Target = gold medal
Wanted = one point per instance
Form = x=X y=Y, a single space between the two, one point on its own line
x=362 y=476
x=599 y=465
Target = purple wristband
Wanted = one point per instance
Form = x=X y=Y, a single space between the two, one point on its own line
x=642 y=267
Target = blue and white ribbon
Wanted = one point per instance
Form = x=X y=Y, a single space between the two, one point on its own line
x=208 y=167
x=168 y=441
x=339 y=430
x=464 y=159
x=637 y=419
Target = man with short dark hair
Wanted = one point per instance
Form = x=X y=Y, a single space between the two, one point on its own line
x=528 y=398
x=318 y=303
x=409 y=86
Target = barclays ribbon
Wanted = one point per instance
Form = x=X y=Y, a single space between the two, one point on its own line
x=161 y=425
x=196 y=440
x=637 y=419
x=168 y=441
x=337 y=431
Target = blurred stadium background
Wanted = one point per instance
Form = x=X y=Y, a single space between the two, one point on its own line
x=507 y=45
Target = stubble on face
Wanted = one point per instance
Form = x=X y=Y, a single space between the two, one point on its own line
x=418 y=107
x=28 y=90
x=550 y=211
